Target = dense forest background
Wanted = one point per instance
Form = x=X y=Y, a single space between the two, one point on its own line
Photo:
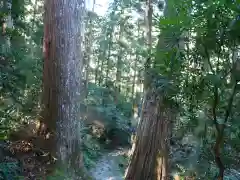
x=160 y=77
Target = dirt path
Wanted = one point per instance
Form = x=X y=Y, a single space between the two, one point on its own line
x=109 y=166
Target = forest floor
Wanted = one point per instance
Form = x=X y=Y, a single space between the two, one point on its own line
x=111 y=165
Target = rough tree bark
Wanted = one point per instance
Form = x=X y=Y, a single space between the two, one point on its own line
x=150 y=157
x=62 y=78
x=150 y=152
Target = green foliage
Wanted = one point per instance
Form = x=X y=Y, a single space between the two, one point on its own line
x=64 y=173
x=20 y=71
x=103 y=100
x=59 y=175
x=91 y=151
x=196 y=51
x=194 y=55
x=9 y=171
x=114 y=115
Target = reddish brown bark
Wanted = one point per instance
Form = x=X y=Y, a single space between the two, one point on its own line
x=49 y=115
x=62 y=79
x=150 y=157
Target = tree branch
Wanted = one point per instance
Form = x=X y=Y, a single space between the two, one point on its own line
x=220 y=134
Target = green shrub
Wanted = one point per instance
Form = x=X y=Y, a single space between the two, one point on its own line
x=9 y=171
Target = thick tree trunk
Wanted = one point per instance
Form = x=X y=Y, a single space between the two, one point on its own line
x=150 y=156
x=62 y=78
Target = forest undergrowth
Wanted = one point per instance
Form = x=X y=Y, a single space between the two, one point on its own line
x=160 y=76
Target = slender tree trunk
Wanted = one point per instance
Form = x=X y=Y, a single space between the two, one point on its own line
x=109 y=55
x=119 y=66
x=62 y=78
x=88 y=50
x=97 y=71
x=119 y=70
x=135 y=67
x=101 y=76
x=31 y=31
x=120 y=55
x=7 y=23
x=134 y=80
